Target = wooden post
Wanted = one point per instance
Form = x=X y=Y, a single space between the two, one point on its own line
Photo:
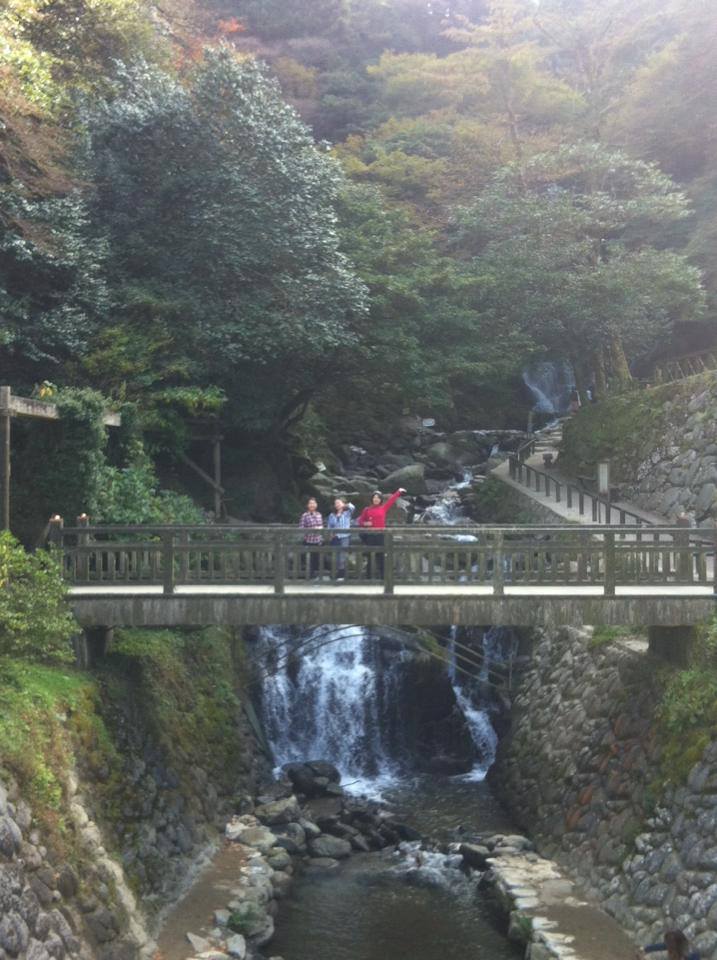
x=609 y=563
x=217 y=458
x=498 y=581
x=167 y=562
x=83 y=557
x=54 y=530
x=388 y=563
x=279 y=563
x=682 y=544
x=5 y=428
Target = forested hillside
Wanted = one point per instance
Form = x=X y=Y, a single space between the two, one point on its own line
x=294 y=221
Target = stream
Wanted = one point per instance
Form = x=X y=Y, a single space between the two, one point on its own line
x=407 y=725
x=396 y=725
x=343 y=700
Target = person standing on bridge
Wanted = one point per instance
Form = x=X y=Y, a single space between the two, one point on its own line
x=312 y=520
x=373 y=518
x=340 y=519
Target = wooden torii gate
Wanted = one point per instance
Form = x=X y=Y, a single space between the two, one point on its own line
x=14 y=406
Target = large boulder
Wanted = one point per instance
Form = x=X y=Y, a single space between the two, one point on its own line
x=329 y=847
x=442 y=454
x=312 y=779
x=412 y=478
x=278 y=811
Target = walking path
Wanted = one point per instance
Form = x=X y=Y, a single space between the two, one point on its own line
x=549 y=443
x=549 y=911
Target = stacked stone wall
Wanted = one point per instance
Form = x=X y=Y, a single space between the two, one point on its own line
x=581 y=770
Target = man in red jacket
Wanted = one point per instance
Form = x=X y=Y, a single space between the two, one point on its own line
x=372 y=518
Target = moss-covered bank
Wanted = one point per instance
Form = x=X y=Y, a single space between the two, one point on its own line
x=122 y=776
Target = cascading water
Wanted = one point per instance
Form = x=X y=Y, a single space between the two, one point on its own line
x=477 y=718
x=321 y=699
x=551 y=382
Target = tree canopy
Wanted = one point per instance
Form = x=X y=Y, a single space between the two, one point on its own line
x=243 y=216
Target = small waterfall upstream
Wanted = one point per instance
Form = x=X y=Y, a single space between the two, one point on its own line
x=551 y=382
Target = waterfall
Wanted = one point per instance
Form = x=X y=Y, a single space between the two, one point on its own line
x=373 y=703
x=551 y=383
x=477 y=719
x=324 y=702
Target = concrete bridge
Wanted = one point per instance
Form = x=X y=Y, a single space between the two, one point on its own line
x=420 y=575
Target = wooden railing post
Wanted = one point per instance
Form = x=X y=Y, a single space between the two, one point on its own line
x=6 y=430
x=279 y=563
x=167 y=562
x=682 y=545
x=55 y=533
x=610 y=572
x=83 y=557
x=498 y=578
x=388 y=571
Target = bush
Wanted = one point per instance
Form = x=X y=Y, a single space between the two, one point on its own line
x=687 y=713
x=131 y=494
x=35 y=622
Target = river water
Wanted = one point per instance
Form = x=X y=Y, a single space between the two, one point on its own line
x=406 y=905
x=347 y=694
x=327 y=694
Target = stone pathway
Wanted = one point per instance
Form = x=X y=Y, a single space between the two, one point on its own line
x=561 y=509
x=548 y=912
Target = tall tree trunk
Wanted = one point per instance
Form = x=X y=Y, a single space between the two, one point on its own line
x=599 y=372
x=619 y=369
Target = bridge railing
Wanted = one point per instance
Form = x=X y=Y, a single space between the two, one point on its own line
x=491 y=558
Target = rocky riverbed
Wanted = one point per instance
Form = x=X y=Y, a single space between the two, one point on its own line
x=305 y=829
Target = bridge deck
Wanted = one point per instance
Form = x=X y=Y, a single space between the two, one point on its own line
x=414 y=575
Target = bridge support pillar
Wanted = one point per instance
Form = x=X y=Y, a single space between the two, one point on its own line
x=91 y=645
x=673 y=644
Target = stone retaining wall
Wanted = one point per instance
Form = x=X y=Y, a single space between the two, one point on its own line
x=580 y=769
x=135 y=819
x=681 y=472
x=662 y=444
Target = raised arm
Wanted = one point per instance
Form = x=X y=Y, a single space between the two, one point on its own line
x=392 y=499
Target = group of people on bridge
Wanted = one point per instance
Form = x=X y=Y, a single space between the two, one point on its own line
x=371 y=521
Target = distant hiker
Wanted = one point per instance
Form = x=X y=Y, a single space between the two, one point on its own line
x=340 y=519
x=312 y=520
x=676 y=946
x=373 y=517
x=574 y=404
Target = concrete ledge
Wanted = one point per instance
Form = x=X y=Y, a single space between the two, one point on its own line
x=110 y=610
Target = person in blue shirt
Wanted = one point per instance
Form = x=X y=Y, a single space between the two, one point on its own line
x=340 y=519
x=676 y=946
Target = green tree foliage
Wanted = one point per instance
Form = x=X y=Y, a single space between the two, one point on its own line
x=54 y=47
x=430 y=349
x=667 y=114
x=53 y=289
x=560 y=243
x=220 y=218
x=35 y=622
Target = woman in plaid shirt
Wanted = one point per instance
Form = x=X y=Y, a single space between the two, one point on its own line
x=312 y=519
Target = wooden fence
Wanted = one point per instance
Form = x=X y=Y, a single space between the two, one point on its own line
x=419 y=556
